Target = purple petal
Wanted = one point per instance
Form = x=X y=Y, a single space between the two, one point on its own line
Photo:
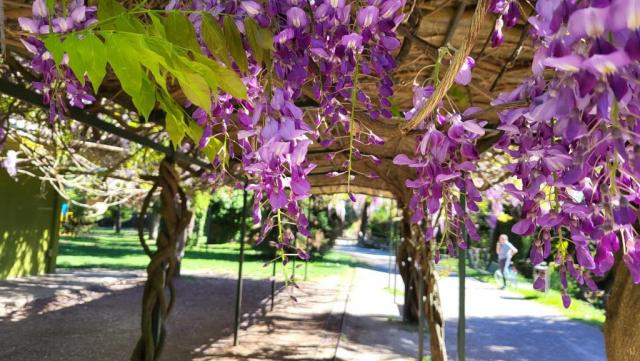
x=367 y=16
x=566 y=300
x=296 y=17
x=352 y=41
x=589 y=21
x=624 y=14
x=251 y=7
x=39 y=8
x=569 y=63
x=402 y=159
x=524 y=227
x=607 y=63
x=464 y=75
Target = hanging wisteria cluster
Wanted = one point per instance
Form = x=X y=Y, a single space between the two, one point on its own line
x=575 y=148
x=443 y=161
x=320 y=49
x=58 y=85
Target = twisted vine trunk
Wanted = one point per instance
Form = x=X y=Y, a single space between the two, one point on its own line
x=621 y=336
x=413 y=253
x=155 y=303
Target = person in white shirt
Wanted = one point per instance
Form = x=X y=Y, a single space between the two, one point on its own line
x=505 y=251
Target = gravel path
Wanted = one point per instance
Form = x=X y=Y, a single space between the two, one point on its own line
x=501 y=325
x=105 y=324
x=306 y=328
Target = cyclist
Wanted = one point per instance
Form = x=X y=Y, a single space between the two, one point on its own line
x=505 y=251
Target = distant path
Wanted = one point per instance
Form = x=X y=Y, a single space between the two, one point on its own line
x=501 y=325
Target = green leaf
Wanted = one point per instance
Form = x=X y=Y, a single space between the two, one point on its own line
x=124 y=61
x=234 y=41
x=145 y=100
x=196 y=89
x=74 y=47
x=231 y=83
x=96 y=61
x=86 y=55
x=124 y=57
x=157 y=26
x=180 y=31
x=263 y=36
x=219 y=76
x=214 y=38
x=251 y=30
x=55 y=47
x=108 y=12
x=174 y=122
x=129 y=23
x=175 y=128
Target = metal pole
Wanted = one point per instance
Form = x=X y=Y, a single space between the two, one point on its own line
x=295 y=246
x=273 y=283
x=420 y=315
x=306 y=241
x=395 y=272
x=243 y=226
x=390 y=225
x=461 y=288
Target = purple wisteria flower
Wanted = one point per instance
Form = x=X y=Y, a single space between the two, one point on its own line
x=464 y=75
x=574 y=154
x=368 y=16
x=296 y=17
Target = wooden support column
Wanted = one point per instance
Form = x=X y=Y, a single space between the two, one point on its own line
x=413 y=254
x=622 y=341
x=156 y=306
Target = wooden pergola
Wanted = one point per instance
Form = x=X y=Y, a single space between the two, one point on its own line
x=459 y=25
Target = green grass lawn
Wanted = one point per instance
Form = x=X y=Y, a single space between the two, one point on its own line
x=579 y=310
x=104 y=249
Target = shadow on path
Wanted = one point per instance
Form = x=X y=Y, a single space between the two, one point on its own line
x=107 y=328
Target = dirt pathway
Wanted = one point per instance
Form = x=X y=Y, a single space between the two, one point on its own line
x=307 y=328
x=102 y=324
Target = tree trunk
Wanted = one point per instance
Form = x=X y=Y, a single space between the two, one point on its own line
x=412 y=253
x=117 y=219
x=364 y=221
x=621 y=335
x=183 y=236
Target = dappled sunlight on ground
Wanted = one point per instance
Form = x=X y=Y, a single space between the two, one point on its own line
x=36 y=295
x=107 y=328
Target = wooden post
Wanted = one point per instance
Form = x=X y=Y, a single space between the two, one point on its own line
x=243 y=226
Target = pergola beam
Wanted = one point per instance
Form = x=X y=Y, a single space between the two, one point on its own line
x=31 y=97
